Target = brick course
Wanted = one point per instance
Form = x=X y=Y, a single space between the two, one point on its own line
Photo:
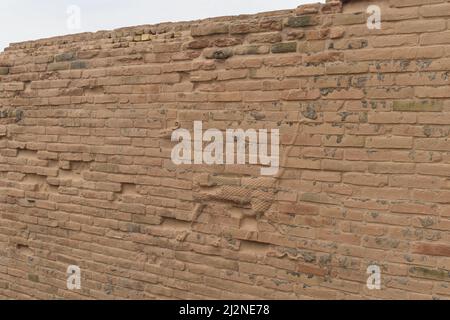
x=86 y=177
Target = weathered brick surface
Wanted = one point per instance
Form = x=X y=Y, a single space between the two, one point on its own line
x=86 y=177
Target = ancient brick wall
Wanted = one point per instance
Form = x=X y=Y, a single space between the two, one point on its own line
x=87 y=179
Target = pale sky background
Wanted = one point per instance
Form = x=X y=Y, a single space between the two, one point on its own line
x=22 y=20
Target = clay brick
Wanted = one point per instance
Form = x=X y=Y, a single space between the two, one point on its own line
x=389 y=142
x=253 y=49
x=301 y=21
x=385 y=168
x=209 y=29
x=67 y=56
x=78 y=65
x=270 y=37
x=295 y=35
x=13 y=86
x=232 y=74
x=418 y=106
x=412 y=3
x=349 y=18
x=438 y=10
x=428 y=273
x=58 y=66
x=434 y=169
x=435 y=38
x=219 y=54
x=346 y=141
x=307 y=9
x=395 y=40
x=432 y=249
x=345 y=68
x=390 y=117
x=284 y=47
x=4 y=71
x=199 y=44
x=265 y=25
x=404 y=13
x=336 y=33
x=227 y=42
x=365 y=179
x=166 y=47
x=322 y=57
x=420 y=26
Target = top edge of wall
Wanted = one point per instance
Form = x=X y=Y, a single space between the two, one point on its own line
x=171 y=29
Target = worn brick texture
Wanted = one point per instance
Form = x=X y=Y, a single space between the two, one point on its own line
x=86 y=177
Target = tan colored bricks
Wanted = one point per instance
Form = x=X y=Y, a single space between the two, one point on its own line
x=86 y=176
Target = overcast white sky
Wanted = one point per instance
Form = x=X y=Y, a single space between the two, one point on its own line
x=22 y=20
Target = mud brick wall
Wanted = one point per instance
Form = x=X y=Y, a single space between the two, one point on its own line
x=86 y=177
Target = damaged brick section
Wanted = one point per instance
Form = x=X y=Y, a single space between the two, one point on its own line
x=86 y=176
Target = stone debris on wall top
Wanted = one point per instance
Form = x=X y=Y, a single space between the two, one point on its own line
x=87 y=177
x=173 y=30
